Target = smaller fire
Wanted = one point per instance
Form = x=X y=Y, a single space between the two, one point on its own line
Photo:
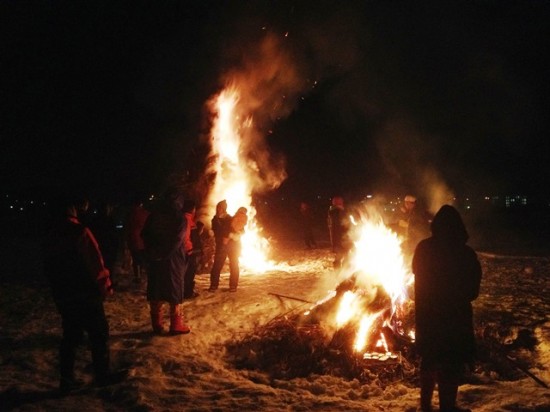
x=370 y=300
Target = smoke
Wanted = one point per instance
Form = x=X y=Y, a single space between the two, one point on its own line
x=269 y=84
x=413 y=160
x=436 y=192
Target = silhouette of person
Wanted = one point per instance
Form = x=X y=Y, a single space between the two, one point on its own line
x=189 y=210
x=197 y=236
x=221 y=226
x=79 y=282
x=306 y=222
x=104 y=228
x=238 y=223
x=164 y=236
x=447 y=279
x=338 y=229
x=413 y=224
x=136 y=221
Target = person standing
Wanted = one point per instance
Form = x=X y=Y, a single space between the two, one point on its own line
x=306 y=221
x=447 y=279
x=163 y=236
x=136 y=221
x=338 y=228
x=79 y=282
x=104 y=227
x=413 y=224
x=189 y=210
x=221 y=226
x=238 y=223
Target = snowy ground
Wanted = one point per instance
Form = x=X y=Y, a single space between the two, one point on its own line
x=194 y=373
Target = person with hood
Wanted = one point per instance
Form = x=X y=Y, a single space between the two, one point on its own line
x=164 y=236
x=447 y=279
x=79 y=282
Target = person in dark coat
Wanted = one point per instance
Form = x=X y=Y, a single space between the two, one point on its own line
x=221 y=226
x=79 y=282
x=104 y=227
x=306 y=221
x=163 y=236
x=447 y=279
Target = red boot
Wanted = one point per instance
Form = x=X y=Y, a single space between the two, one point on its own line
x=156 y=317
x=177 y=327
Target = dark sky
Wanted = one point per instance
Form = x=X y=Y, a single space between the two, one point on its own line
x=392 y=96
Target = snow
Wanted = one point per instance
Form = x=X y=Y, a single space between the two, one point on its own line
x=193 y=372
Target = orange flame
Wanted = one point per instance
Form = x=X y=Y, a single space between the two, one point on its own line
x=234 y=175
x=377 y=261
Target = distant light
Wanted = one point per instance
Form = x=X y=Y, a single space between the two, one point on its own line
x=369 y=196
x=11 y=206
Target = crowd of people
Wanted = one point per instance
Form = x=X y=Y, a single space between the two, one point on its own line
x=166 y=244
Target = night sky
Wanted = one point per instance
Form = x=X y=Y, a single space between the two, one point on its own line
x=389 y=96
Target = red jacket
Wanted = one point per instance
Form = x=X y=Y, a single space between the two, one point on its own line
x=74 y=264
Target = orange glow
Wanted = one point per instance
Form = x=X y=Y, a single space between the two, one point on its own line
x=234 y=176
x=377 y=265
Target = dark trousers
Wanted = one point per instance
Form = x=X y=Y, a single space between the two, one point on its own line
x=189 y=277
x=232 y=251
x=77 y=318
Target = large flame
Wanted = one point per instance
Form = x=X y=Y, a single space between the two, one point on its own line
x=235 y=177
x=376 y=264
x=378 y=260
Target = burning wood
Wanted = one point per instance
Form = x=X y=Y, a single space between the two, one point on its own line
x=299 y=344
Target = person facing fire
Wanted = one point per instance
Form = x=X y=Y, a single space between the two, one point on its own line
x=221 y=226
x=79 y=282
x=163 y=235
x=413 y=224
x=338 y=228
x=447 y=279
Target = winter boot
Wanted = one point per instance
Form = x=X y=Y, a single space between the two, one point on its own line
x=156 y=317
x=177 y=327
